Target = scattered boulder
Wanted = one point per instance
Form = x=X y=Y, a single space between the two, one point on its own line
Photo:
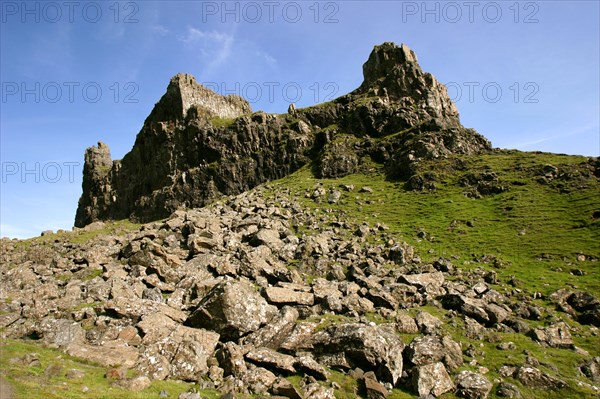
x=532 y=377
x=134 y=384
x=431 y=379
x=472 y=385
x=283 y=387
x=309 y=366
x=508 y=390
x=471 y=307
x=555 y=336
x=375 y=348
x=372 y=387
x=430 y=349
x=429 y=282
x=591 y=369
x=258 y=380
x=110 y=354
x=231 y=359
x=284 y=296
x=276 y=331
x=314 y=390
x=233 y=309
x=427 y=323
x=272 y=360
x=405 y=324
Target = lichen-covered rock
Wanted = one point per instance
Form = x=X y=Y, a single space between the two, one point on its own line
x=233 y=309
x=431 y=379
x=276 y=331
x=508 y=390
x=533 y=377
x=472 y=385
x=430 y=349
x=555 y=336
x=272 y=360
x=110 y=354
x=258 y=380
x=375 y=348
x=315 y=390
x=170 y=349
x=60 y=333
x=284 y=296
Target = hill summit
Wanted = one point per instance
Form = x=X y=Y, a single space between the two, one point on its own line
x=396 y=255
x=197 y=146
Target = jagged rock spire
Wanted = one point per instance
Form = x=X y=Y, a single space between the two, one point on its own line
x=393 y=72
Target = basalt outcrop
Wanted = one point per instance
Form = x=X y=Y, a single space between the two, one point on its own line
x=197 y=146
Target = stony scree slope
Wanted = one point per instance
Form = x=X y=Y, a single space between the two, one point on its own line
x=242 y=296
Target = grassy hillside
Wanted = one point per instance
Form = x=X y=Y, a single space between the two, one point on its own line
x=539 y=235
x=532 y=231
x=532 y=218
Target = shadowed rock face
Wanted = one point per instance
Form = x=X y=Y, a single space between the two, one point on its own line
x=197 y=146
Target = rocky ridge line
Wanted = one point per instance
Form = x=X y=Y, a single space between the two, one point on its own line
x=197 y=146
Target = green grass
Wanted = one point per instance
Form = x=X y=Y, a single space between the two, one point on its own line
x=31 y=383
x=222 y=122
x=81 y=236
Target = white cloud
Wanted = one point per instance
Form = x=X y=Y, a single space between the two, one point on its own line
x=214 y=45
x=267 y=57
x=159 y=29
x=556 y=136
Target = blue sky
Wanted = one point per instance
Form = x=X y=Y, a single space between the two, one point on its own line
x=525 y=74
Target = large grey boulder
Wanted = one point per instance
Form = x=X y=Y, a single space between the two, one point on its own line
x=430 y=349
x=276 y=331
x=532 y=377
x=472 y=385
x=555 y=336
x=431 y=379
x=170 y=349
x=233 y=309
x=369 y=347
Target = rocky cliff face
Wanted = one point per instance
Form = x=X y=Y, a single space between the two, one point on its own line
x=197 y=146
